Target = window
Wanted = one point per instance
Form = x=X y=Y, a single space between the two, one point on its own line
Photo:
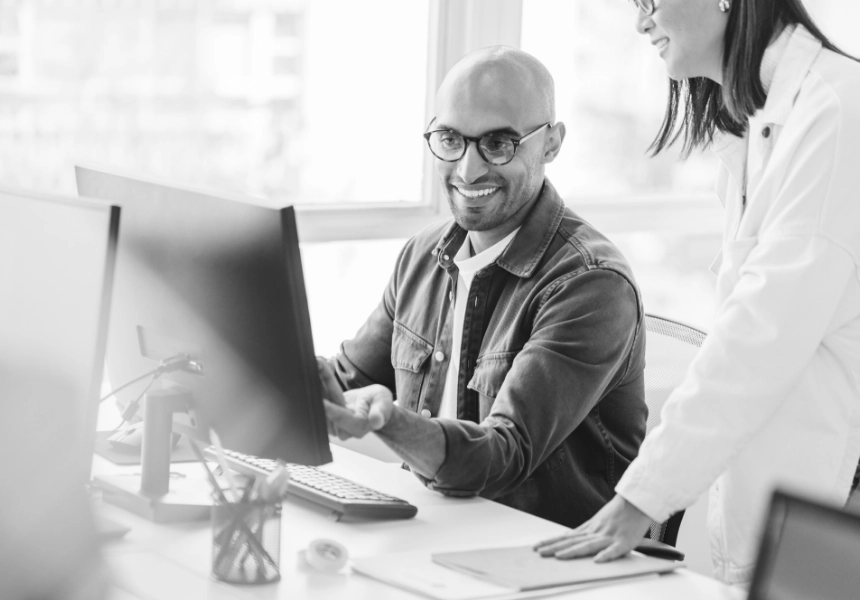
x=299 y=102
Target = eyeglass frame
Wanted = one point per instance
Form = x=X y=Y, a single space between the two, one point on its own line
x=476 y=140
x=641 y=5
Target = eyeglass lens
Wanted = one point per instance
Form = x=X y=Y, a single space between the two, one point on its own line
x=495 y=148
x=646 y=6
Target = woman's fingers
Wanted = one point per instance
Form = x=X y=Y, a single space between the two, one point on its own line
x=549 y=549
x=617 y=550
x=587 y=546
x=548 y=542
x=578 y=531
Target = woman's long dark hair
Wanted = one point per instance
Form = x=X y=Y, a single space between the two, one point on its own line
x=699 y=107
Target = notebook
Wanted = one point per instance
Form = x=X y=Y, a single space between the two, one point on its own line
x=521 y=568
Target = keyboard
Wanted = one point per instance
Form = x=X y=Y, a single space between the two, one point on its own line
x=344 y=497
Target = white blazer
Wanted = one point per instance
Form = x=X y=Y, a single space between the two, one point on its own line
x=773 y=397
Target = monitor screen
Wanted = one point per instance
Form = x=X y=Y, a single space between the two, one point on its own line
x=217 y=278
x=809 y=551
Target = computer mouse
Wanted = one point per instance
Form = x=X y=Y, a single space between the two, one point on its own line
x=130 y=439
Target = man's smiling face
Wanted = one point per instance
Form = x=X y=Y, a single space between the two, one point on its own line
x=483 y=196
x=479 y=99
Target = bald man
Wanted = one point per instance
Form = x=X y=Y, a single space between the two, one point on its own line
x=512 y=338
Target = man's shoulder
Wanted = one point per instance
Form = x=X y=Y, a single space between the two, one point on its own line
x=582 y=247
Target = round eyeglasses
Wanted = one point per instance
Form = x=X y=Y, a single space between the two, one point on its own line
x=646 y=6
x=496 y=148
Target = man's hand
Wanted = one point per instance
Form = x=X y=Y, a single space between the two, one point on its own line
x=356 y=412
x=332 y=391
x=612 y=533
x=367 y=409
x=331 y=388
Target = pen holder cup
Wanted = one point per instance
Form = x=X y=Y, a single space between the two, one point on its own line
x=246 y=542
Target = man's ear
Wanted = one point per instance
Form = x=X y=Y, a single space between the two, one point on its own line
x=552 y=146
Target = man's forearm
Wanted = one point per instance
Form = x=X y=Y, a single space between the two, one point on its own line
x=419 y=441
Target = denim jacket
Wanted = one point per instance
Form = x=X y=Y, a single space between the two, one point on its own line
x=551 y=403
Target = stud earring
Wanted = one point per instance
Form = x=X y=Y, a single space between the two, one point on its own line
x=725 y=5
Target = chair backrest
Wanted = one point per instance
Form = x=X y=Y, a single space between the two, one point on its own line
x=669 y=349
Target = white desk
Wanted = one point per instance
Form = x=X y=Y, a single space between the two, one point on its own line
x=173 y=561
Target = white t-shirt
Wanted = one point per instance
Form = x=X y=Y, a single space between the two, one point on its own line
x=468 y=265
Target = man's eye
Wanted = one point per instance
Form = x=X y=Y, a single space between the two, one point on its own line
x=496 y=143
x=450 y=141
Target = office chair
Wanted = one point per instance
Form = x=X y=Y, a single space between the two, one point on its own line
x=669 y=350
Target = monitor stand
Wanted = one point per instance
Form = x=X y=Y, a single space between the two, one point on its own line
x=152 y=493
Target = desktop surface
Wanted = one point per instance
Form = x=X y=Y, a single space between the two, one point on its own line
x=173 y=561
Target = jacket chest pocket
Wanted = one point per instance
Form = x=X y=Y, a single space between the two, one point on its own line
x=487 y=379
x=733 y=256
x=409 y=353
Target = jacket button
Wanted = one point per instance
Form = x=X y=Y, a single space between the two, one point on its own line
x=425 y=413
x=445 y=257
x=766 y=132
x=439 y=356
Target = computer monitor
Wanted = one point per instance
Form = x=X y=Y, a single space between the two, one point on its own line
x=217 y=278
x=56 y=264
x=57 y=260
x=809 y=551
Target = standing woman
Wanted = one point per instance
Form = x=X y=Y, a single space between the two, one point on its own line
x=773 y=397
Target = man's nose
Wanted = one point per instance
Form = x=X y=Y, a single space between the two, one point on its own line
x=471 y=167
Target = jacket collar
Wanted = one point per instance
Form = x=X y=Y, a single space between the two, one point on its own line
x=794 y=64
x=525 y=251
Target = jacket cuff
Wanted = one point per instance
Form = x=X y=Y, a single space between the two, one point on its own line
x=454 y=477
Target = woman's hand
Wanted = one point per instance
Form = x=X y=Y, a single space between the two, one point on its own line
x=612 y=533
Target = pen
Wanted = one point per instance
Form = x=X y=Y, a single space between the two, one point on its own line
x=222 y=462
